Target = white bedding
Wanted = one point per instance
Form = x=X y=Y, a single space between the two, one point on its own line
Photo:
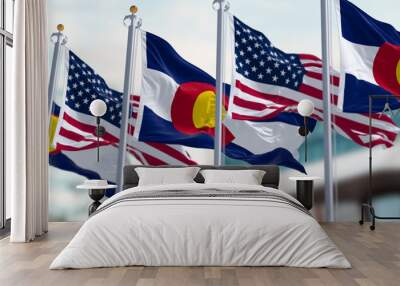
x=200 y=231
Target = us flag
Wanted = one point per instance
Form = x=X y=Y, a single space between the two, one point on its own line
x=268 y=81
x=76 y=128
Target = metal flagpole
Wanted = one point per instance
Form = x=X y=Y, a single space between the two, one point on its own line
x=60 y=39
x=328 y=168
x=133 y=25
x=221 y=7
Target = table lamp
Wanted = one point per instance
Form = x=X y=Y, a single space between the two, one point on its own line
x=98 y=108
x=305 y=109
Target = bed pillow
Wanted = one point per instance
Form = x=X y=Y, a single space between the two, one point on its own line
x=166 y=176
x=246 y=177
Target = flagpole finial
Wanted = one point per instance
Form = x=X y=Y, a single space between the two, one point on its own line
x=60 y=27
x=133 y=9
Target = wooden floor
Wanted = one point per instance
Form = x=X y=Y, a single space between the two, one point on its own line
x=375 y=257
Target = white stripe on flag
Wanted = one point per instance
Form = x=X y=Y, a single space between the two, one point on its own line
x=316 y=83
x=72 y=143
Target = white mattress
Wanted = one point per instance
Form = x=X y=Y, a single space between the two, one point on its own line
x=200 y=231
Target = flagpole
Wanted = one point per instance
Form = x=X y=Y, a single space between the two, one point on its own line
x=60 y=39
x=132 y=27
x=221 y=9
x=328 y=168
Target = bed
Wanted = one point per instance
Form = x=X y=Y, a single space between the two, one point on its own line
x=199 y=224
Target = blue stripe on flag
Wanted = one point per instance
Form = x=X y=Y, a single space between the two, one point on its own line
x=166 y=132
x=56 y=110
x=360 y=28
x=162 y=57
x=279 y=156
x=356 y=96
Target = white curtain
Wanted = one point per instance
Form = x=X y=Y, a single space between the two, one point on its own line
x=27 y=123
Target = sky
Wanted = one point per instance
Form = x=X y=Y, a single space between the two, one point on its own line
x=96 y=32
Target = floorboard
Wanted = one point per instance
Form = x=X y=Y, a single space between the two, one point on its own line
x=375 y=257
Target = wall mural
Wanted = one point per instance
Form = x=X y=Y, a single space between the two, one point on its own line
x=170 y=116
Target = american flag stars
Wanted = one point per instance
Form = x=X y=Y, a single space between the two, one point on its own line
x=258 y=60
x=84 y=85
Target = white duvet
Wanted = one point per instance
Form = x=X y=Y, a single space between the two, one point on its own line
x=200 y=231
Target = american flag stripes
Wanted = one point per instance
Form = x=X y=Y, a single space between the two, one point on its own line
x=268 y=81
x=76 y=127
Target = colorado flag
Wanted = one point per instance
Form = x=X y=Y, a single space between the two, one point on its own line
x=178 y=107
x=370 y=56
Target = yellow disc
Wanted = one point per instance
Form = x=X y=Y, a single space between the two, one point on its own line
x=398 y=72
x=52 y=131
x=60 y=27
x=204 y=110
x=133 y=9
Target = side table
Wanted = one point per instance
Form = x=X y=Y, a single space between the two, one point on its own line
x=96 y=190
